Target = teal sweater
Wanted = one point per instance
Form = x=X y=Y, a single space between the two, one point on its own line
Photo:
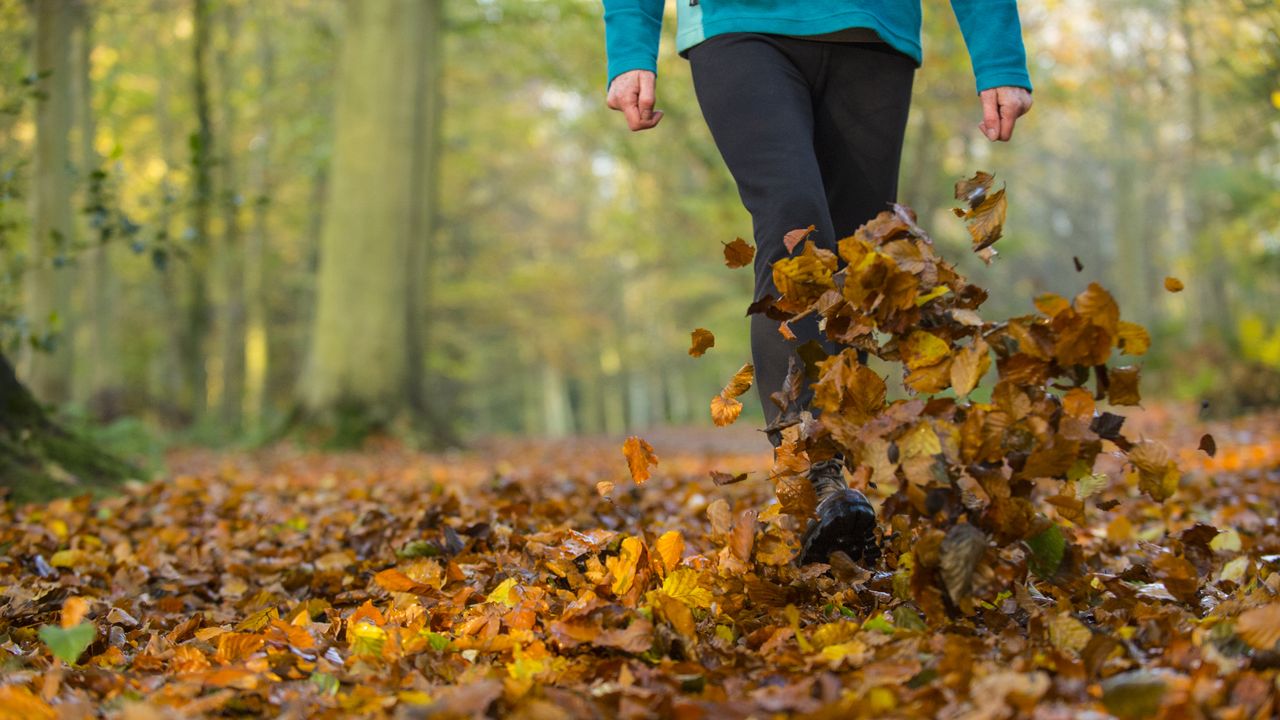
x=990 y=27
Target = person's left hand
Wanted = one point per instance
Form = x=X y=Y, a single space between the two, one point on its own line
x=1001 y=108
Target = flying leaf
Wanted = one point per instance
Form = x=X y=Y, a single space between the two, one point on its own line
x=968 y=367
x=1208 y=445
x=1123 y=387
x=604 y=488
x=738 y=253
x=1173 y=284
x=797 y=236
x=702 y=340
x=724 y=410
x=741 y=381
x=640 y=457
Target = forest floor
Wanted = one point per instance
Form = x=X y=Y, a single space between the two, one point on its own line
x=502 y=581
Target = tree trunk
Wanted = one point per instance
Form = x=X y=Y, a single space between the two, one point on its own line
x=49 y=279
x=38 y=459
x=98 y=303
x=256 y=350
x=362 y=366
x=196 y=329
x=230 y=278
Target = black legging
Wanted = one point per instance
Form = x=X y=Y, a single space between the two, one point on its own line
x=812 y=133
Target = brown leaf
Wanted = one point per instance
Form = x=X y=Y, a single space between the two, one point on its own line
x=1208 y=445
x=962 y=548
x=701 y=341
x=640 y=457
x=1173 y=284
x=744 y=535
x=724 y=478
x=1123 y=389
x=738 y=253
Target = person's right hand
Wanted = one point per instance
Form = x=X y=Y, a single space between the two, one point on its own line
x=632 y=93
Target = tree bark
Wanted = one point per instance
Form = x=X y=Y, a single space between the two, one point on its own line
x=196 y=329
x=230 y=260
x=362 y=363
x=49 y=278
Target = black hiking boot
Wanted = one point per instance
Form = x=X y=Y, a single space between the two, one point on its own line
x=846 y=521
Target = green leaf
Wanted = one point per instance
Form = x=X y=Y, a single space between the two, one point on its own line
x=879 y=624
x=418 y=549
x=67 y=644
x=327 y=684
x=437 y=641
x=1047 y=550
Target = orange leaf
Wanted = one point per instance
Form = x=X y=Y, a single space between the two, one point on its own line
x=724 y=410
x=1173 y=284
x=1260 y=627
x=670 y=548
x=640 y=457
x=702 y=340
x=795 y=237
x=741 y=381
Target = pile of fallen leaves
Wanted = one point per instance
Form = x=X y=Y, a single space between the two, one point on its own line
x=1028 y=569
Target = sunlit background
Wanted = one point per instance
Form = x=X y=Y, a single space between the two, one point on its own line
x=558 y=262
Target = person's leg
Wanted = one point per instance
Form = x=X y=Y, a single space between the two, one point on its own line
x=861 y=102
x=756 y=95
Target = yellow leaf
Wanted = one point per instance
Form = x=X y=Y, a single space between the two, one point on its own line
x=682 y=584
x=1227 y=541
x=640 y=457
x=366 y=639
x=503 y=594
x=670 y=547
x=1133 y=338
x=922 y=349
x=604 y=488
x=623 y=566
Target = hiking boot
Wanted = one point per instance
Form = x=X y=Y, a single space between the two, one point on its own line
x=846 y=521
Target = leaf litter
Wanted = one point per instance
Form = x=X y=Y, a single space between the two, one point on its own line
x=1045 y=557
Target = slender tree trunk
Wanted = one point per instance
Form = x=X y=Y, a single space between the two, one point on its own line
x=49 y=278
x=99 y=349
x=230 y=258
x=196 y=330
x=256 y=347
x=169 y=377
x=1212 y=306
x=362 y=365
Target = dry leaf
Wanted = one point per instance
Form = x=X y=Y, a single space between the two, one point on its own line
x=640 y=457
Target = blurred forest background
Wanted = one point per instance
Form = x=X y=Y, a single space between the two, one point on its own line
x=219 y=216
